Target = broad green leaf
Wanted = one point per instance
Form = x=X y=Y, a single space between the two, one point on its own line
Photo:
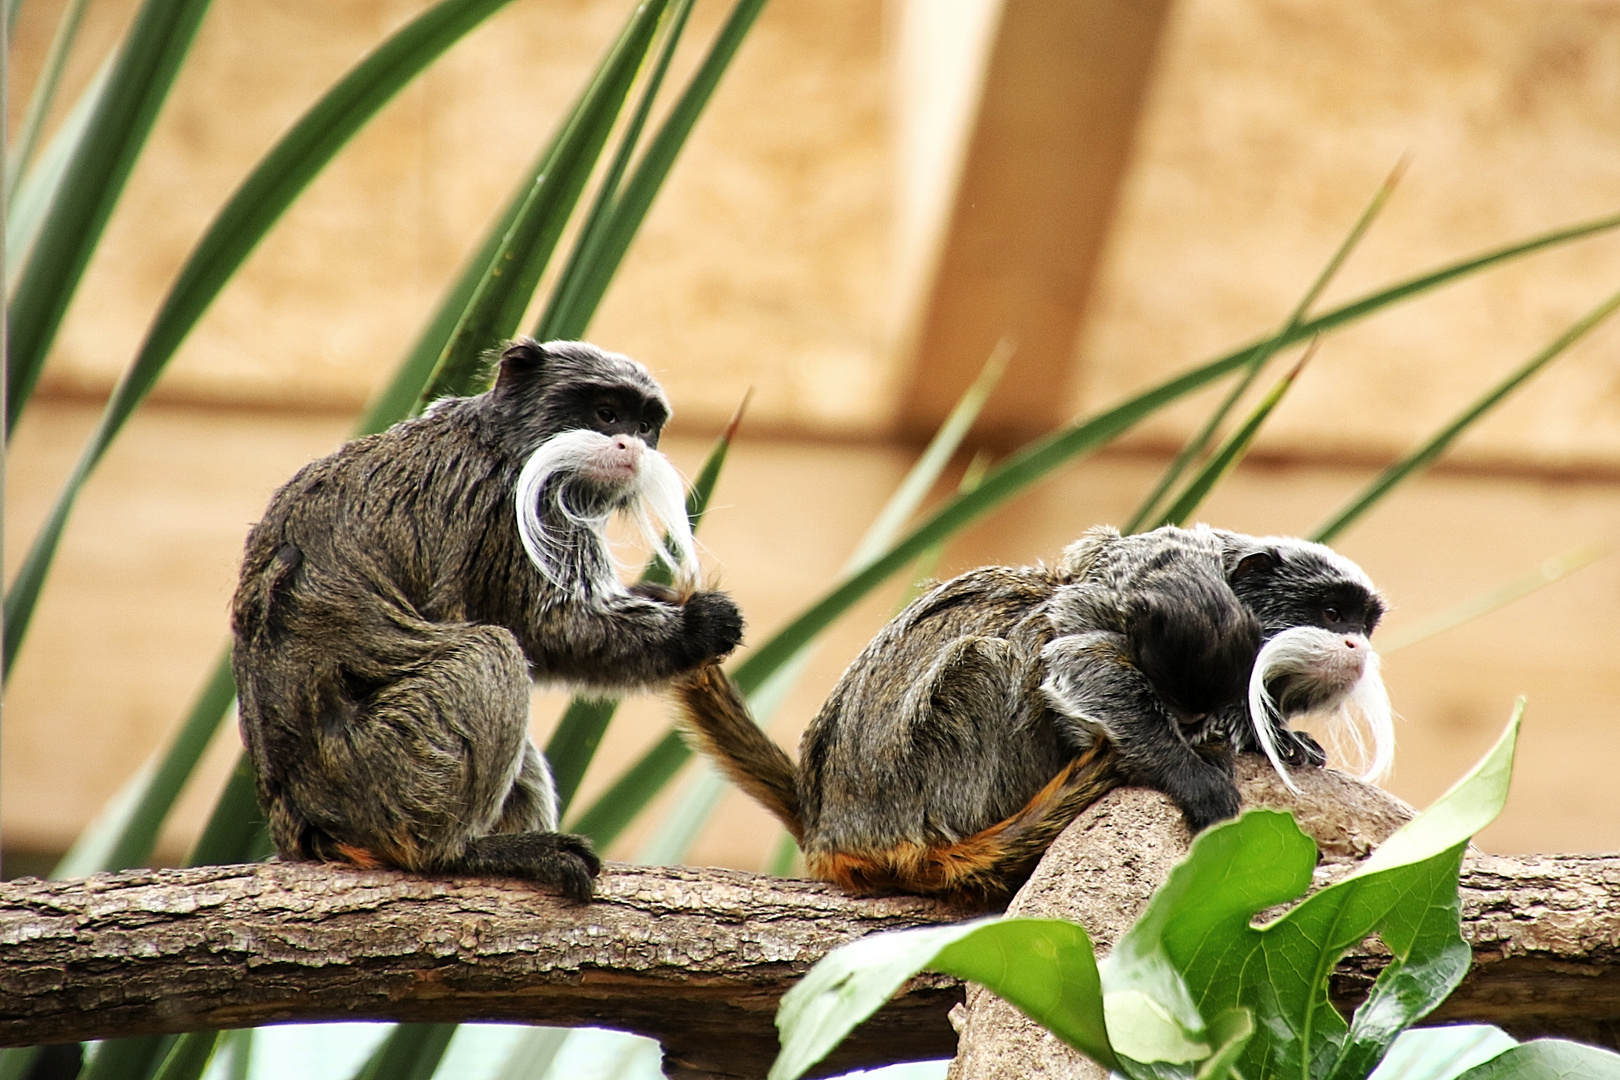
x=148 y=61
x=25 y=214
x=44 y=93
x=1230 y=1032
x=1441 y=1053
x=1231 y=452
x=1424 y=455
x=564 y=315
x=673 y=841
x=244 y=220
x=508 y=282
x=188 y=1058
x=1045 y=967
x=630 y=209
x=1549 y=1059
x=410 y=1052
x=1197 y=931
x=17 y=1061
x=1554 y=569
x=1196 y=446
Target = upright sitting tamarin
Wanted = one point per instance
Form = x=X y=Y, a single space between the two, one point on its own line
x=990 y=712
x=398 y=596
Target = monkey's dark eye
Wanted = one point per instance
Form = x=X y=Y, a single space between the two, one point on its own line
x=1332 y=614
x=644 y=427
x=606 y=415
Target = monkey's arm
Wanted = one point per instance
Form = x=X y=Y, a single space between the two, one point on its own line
x=630 y=641
x=1090 y=680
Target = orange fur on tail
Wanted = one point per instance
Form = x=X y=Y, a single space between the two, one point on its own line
x=982 y=870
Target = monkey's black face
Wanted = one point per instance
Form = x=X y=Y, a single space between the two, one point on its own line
x=1306 y=585
x=617 y=410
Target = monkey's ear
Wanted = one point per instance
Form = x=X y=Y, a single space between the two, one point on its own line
x=522 y=360
x=1251 y=563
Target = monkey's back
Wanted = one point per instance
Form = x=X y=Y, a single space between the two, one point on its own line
x=938 y=728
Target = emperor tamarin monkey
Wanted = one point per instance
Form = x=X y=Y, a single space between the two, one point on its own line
x=398 y=596
x=984 y=717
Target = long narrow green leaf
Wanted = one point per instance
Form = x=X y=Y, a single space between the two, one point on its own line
x=614 y=809
x=128 y=1059
x=632 y=206
x=509 y=281
x=25 y=214
x=1196 y=446
x=674 y=839
x=147 y=64
x=1554 y=569
x=573 y=744
x=255 y=206
x=1231 y=451
x=189 y=1057
x=1424 y=456
x=587 y=247
x=44 y=93
x=235 y=831
x=410 y=1052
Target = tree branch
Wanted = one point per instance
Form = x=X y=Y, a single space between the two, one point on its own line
x=696 y=958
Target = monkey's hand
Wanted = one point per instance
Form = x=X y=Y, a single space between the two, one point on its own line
x=1205 y=798
x=714 y=626
x=1298 y=749
x=561 y=860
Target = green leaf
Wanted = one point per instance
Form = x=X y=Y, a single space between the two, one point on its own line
x=236 y=831
x=25 y=215
x=531 y=1057
x=244 y=220
x=1549 y=1059
x=148 y=61
x=674 y=839
x=127 y=831
x=410 y=1052
x=188 y=1058
x=565 y=315
x=637 y=786
x=1195 y=953
x=509 y=280
x=1196 y=446
x=1554 y=569
x=1045 y=967
x=1441 y=1053
x=44 y=93
x=128 y=1059
x=1424 y=455
x=1231 y=451
x=612 y=241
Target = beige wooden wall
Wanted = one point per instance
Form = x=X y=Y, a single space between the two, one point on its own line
x=880 y=192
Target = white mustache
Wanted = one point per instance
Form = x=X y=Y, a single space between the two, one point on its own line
x=656 y=491
x=1307 y=651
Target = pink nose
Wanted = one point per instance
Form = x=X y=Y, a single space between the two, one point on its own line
x=1350 y=643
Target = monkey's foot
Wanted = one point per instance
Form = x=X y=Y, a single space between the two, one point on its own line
x=561 y=860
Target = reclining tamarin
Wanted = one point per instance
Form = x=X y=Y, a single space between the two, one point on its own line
x=398 y=597
x=990 y=712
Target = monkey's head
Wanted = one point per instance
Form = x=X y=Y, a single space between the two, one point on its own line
x=586 y=423
x=1317 y=610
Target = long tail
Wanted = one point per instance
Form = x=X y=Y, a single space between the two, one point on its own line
x=717 y=720
x=985 y=869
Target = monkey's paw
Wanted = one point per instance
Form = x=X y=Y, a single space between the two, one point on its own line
x=714 y=626
x=1298 y=749
x=561 y=860
x=1214 y=804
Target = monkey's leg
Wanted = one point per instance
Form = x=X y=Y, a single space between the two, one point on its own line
x=1090 y=680
x=427 y=766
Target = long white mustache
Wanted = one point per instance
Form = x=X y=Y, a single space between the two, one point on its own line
x=1363 y=712
x=571 y=558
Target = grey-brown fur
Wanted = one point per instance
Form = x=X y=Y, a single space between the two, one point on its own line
x=1007 y=698
x=388 y=623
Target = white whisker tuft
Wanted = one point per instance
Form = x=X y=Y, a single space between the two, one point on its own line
x=1323 y=665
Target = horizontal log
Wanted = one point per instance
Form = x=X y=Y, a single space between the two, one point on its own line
x=697 y=958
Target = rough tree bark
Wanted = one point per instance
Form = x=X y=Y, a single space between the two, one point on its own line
x=695 y=958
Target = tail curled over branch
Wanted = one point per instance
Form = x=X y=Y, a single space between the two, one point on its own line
x=716 y=720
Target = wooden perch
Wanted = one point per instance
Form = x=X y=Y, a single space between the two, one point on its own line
x=696 y=958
